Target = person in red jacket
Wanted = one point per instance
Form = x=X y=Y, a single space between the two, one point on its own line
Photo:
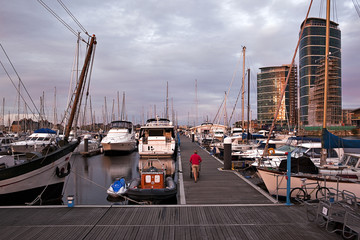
x=195 y=161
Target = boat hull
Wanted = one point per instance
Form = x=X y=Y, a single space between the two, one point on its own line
x=44 y=171
x=51 y=195
x=119 y=147
x=276 y=182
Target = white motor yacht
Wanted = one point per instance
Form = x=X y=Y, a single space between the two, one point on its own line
x=157 y=139
x=120 y=138
x=36 y=142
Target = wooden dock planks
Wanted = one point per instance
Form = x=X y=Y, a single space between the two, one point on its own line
x=215 y=186
x=160 y=222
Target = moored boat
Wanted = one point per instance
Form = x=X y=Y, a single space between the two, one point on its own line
x=36 y=142
x=38 y=177
x=118 y=188
x=154 y=184
x=120 y=138
x=157 y=139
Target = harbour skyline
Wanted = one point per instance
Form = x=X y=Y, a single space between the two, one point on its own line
x=142 y=46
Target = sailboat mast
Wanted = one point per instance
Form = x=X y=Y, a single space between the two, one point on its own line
x=167 y=101
x=326 y=82
x=248 y=108
x=118 y=103
x=80 y=85
x=123 y=108
x=243 y=91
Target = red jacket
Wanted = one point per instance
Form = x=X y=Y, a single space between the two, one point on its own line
x=195 y=159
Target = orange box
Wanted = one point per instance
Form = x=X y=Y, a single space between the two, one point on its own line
x=152 y=180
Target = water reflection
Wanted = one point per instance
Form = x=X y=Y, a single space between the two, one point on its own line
x=91 y=177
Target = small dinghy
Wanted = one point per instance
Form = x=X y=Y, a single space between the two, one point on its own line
x=152 y=186
x=117 y=189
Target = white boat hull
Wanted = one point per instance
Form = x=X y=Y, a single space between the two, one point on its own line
x=276 y=182
x=119 y=146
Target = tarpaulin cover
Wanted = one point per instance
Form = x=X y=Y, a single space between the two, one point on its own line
x=330 y=140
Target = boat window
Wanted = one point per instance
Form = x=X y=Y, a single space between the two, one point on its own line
x=40 y=139
x=155 y=132
x=3 y=141
x=332 y=153
x=46 y=139
x=300 y=149
x=314 y=152
x=352 y=161
x=285 y=148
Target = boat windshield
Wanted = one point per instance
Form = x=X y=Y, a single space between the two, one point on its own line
x=285 y=148
x=351 y=161
x=120 y=124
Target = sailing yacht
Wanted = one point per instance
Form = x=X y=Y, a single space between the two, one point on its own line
x=38 y=177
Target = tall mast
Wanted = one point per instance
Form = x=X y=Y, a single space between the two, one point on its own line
x=326 y=83
x=243 y=91
x=91 y=116
x=123 y=117
x=112 y=111
x=80 y=85
x=167 y=101
x=118 y=103
x=248 y=107
x=3 y=113
x=196 y=104
x=18 y=113
x=55 y=110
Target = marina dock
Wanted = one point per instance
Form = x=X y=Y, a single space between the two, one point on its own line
x=221 y=205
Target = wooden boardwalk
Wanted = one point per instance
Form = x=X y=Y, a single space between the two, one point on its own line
x=160 y=222
x=221 y=205
x=215 y=186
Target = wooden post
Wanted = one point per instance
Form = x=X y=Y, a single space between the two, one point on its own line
x=227 y=154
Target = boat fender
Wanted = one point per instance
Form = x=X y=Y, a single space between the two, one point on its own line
x=61 y=173
x=271 y=151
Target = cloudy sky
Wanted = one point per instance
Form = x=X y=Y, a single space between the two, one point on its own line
x=143 y=44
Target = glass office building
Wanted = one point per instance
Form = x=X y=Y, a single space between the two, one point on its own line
x=270 y=82
x=311 y=54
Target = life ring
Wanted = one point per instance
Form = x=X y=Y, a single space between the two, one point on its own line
x=61 y=173
x=271 y=151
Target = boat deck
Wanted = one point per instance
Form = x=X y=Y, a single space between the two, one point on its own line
x=221 y=205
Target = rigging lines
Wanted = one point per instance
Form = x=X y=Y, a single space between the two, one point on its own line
x=63 y=22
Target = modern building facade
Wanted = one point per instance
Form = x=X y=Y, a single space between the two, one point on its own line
x=311 y=56
x=270 y=82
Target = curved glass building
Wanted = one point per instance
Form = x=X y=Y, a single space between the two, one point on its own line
x=270 y=82
x=311 y=55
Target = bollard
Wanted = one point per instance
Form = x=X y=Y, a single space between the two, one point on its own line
x=70 y=200
x=227 y=154
x=86 y=144
x=193 y=137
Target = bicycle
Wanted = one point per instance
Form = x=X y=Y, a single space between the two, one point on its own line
x=301 y=194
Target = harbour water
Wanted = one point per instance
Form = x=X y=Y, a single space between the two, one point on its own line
x=91 y=176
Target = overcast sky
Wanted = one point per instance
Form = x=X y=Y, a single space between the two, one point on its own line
x=143 y=44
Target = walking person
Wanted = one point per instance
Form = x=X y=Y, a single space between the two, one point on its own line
x=195 y=161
